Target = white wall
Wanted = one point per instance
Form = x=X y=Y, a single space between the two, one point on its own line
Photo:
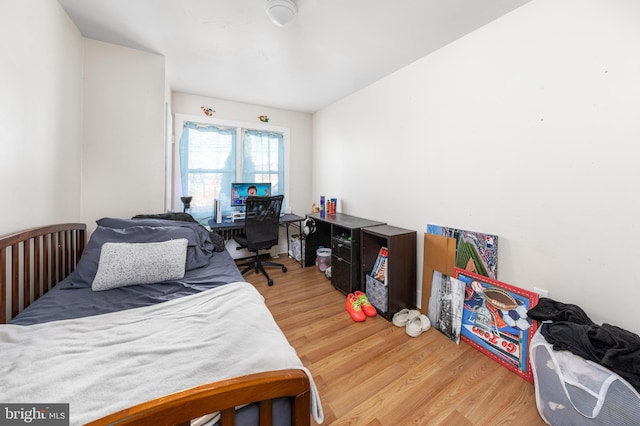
x=526 y=129
x=41 y=115
x=123 y=170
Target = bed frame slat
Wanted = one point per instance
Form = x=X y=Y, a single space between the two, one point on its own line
x=34 y=261
x=59 y=253
x=37 y=273
x=266 y=408
x=47 y=284
x=3 y=285
x=15 y=279
x=26 y=271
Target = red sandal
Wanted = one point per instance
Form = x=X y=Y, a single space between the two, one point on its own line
x=354 y=307
x=367 y=307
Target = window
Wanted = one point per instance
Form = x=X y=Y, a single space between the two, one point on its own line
x=263 y=158
x=212 y=156
x=207 y=165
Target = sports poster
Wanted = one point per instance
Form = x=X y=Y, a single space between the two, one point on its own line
x=476 y=252
x=494 y=320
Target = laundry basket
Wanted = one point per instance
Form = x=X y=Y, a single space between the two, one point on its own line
x=571 y=390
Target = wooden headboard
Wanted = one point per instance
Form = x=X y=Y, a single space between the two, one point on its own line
x=33 y=261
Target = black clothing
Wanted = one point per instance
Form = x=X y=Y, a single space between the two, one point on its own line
x=608 y=345
x=216 y=239
x=550 y=310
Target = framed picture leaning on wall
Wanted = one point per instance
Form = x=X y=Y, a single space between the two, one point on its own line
x=494 y=320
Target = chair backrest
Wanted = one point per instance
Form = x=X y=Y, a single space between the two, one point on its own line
x=262 y=221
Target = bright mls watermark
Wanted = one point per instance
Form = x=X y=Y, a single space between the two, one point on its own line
x=34 y=414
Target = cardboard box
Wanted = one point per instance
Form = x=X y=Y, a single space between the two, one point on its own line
x=439 y=255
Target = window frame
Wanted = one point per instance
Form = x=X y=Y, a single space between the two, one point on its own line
x=239 y=126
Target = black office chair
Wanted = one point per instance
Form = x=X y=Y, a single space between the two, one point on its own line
x=261 y=231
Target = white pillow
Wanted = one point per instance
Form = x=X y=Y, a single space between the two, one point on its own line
x=124 y=264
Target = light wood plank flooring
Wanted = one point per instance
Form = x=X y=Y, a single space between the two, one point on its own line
x=373 y=373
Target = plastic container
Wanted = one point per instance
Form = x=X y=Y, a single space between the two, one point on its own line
x=324 y=258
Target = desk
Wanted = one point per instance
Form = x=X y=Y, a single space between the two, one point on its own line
x=341 y=232
x=228 y=228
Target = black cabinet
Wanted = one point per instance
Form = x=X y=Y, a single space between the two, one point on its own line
x=345 y=274
x=340 y=232
x=399 y=290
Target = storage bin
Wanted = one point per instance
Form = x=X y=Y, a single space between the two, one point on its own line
x=296 y=247
x=571 y=390
x=324 y=258
x=376 y=293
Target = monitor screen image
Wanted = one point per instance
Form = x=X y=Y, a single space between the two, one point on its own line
x=240 y=192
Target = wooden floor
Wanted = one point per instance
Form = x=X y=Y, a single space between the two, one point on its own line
x=373 y=373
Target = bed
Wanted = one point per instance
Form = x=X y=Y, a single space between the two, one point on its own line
x=181 y=339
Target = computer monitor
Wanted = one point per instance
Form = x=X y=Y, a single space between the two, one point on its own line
x=240 y=192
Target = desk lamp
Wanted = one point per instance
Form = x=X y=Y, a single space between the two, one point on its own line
x=187 y=204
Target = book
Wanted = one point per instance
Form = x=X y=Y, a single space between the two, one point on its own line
x=376 y=265
x=381 y=275
x=380 y=266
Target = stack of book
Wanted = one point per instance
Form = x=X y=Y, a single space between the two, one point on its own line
x=379 y=271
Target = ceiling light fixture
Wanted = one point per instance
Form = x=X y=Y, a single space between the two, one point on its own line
x=281 y=12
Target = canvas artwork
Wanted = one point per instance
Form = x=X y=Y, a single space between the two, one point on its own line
x=475 y=251
x=446 y=305
x=494 y=320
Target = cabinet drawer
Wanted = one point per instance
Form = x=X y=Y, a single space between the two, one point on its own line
x=341 y=249
x=341 y=274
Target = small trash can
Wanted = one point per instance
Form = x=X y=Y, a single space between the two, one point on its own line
x=324 y=258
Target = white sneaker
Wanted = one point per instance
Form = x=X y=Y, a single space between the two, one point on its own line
x=417 y=325
x=401 y=318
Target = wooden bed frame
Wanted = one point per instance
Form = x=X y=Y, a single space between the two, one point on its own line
x=34 y=260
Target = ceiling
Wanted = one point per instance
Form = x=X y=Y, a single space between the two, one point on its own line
x=229 y=49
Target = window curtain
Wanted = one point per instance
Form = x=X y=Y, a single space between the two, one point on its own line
x=207 y=166
x=263 y=159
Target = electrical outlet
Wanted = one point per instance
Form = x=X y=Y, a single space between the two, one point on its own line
x=541 y=292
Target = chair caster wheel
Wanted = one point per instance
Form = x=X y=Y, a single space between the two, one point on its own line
x=284 y=269
x=270 y=282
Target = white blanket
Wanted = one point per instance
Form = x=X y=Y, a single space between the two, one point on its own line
x=105 y=363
